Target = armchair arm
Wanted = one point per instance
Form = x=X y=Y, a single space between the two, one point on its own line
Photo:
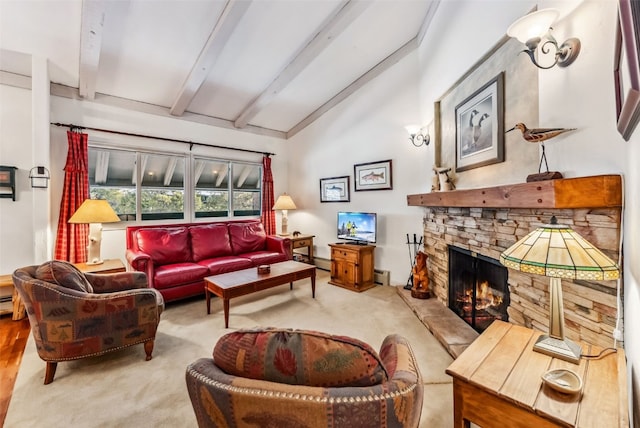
x=210 y=389
x=141 y=262
x=111 y=282
x=279 y=244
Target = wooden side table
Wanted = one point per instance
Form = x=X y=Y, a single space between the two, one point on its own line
x=497 y=383
x=16 y=307
x=109 y=266
x=303 y=241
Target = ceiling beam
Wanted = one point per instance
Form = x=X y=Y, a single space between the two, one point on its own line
x=226 y=24
x=335 y=24
x=374 y=72
x=64 y=91
x=428 y=17
x=93 y=13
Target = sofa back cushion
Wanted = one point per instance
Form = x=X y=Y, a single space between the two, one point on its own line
x=299 y=357
x=210 y=240
x=64 y=274
x=165 y=245
x=247 y=237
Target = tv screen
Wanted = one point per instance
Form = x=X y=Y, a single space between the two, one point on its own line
x=357 y=227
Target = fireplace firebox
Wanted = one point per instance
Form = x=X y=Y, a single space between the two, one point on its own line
x=478 y=289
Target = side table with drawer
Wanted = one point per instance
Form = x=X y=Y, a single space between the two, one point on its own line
x=302 y=241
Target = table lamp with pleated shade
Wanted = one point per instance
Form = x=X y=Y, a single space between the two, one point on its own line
x=94 y=212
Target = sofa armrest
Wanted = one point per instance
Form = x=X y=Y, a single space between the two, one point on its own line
x=279 y=244
x=112 y=282
x=141 y=262
x=399 y=360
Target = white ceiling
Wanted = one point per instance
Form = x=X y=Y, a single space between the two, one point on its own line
x=261 y=65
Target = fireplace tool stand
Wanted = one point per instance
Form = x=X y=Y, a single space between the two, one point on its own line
x=412 y=257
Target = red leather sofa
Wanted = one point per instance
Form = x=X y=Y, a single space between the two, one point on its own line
x=177 y=257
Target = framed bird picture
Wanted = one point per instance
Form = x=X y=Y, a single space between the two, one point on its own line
x=480 y=126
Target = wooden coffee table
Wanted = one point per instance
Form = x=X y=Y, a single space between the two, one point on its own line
x=247 y=281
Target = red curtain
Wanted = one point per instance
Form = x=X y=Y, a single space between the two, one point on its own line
x=268 y=215
x=72 y=239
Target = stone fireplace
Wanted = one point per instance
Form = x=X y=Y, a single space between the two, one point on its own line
x=490 y=224
x=478 y=291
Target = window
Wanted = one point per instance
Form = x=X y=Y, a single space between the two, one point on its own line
x=211 y=180
x=221 y=188
x=247 y=180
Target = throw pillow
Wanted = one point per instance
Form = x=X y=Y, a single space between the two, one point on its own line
x=64 y=274
x=247 y=237
x=299 y=357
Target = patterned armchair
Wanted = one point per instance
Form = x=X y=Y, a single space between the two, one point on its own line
x=75 y=315
x=286 y=378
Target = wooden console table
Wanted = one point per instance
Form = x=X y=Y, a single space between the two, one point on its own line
x=497 y=383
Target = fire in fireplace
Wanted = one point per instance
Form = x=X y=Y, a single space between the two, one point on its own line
x=478 y=290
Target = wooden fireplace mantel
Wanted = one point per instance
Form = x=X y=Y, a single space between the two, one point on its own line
x=600 y=191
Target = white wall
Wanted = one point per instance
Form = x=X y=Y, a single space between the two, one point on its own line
x=367 y=127
x=16 y=226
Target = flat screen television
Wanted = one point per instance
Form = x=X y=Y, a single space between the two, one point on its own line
x=360 y=228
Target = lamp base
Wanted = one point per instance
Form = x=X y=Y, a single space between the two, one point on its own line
x=563 y=349
x=93 y=263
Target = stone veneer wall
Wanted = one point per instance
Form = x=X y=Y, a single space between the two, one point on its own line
x=590 y=307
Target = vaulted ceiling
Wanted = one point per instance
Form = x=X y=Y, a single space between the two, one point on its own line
x=264 y=66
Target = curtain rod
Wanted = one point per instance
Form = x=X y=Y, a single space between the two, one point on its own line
x=191 y=143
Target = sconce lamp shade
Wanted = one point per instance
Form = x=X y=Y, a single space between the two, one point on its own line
x=413 y=129
x=94 y=211
x=556 y=251
x=535 y=24
x=284 y=202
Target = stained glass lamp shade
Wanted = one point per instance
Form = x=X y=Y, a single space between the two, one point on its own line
x=557 y=251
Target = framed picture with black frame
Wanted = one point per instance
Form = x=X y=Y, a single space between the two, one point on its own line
x=334 y=189
x=373 y=176
x=480 y=126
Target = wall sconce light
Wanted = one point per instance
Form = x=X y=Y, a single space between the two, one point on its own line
x=416 y=137
x=39 y=176
x=532 y=28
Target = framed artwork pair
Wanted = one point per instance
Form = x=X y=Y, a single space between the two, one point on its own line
x=367 y=176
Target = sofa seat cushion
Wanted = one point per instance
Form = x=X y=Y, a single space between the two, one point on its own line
x=64 y=274
x=265 y=257
x=225 y=264
x=210 y=240
x=178 y=273
x=247 y=237
x=165 y=245
x=299 y=357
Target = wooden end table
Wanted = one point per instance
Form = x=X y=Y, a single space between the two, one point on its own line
x=234 y=284
x=302 y=241
x=109 y=266
x=497 y=383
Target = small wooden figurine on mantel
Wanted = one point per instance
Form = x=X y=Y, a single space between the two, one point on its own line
x=420 y=274
x=446 y=182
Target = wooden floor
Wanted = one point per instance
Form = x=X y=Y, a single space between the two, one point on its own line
x=13 y=339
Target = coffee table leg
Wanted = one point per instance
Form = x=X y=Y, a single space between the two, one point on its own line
x=208 y=296
x=313 y=285
x=226 y=313
x=291 y=285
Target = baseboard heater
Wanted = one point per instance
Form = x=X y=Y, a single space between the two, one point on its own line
x=382 y=277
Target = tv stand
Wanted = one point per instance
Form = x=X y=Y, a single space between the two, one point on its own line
x=352 y=266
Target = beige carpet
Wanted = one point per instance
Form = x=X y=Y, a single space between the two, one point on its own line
x=122 y=389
